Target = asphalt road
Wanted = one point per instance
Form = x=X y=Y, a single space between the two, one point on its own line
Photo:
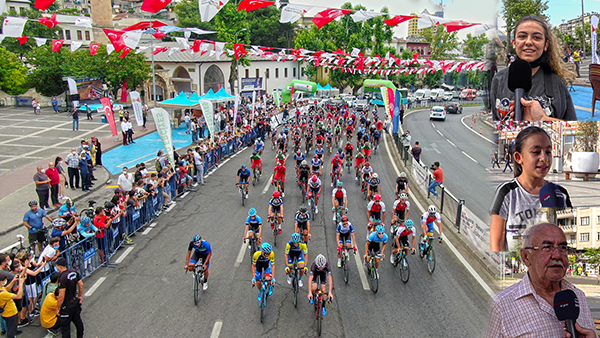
x=463 y=153
x=148 y=293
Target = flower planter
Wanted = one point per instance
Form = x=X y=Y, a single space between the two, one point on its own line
x=585 y=162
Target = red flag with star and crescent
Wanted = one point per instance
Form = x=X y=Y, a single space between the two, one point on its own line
x=56 y=44
x=22 y=40
x=328 y=15
x=49 y=21
x=42 y=5
x=251 y=5
x=154 y=6
x=116 y=38
x=94 y=48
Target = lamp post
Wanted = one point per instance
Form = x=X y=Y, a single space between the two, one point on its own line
x=237 y=66
x=582 y=28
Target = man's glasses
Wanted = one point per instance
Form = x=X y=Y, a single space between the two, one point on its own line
x=549 y=248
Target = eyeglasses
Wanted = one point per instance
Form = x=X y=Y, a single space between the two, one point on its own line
x=548 y=248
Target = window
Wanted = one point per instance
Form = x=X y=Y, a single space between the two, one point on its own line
x=79 y=35
x=573 y=237
x=598 y=236
x=276 y=73
x=67 y=35
x=13 y=9
x=584 y=237
x=294 y=72
x=598 y=221
x=267 y=73
x=247 y=73
x=257 y=73
x=585 y=220
x=285 y=74
x=87 y=35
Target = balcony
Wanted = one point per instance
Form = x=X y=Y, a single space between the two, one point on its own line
x=568 y=228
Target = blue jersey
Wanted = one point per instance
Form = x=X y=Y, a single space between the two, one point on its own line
x=315 y=162
x=254 y=222
x=203 y=249
x=373 y=238
x=299 y=158
x=320 y=151
x=259 y=145
x=244 y=173
x=63 y=210
x=345 y=230
x=342 y=155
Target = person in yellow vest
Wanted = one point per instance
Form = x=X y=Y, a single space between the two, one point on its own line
x=7 y=302
x=577 y=60
x=121 y=114
x=48 y=316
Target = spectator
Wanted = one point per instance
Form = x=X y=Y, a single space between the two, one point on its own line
x=507 y=159
x=58 y=162
x=73 y=169
x=437 y=179
x=33 y=220
x=125 y=180
x=576 y=60
x=10 y=313
x=401 y=113
x=188 y=123
x=101 y=222
x=145 y=115
x=70 y=295
x=75 y=115
x=406 y=143
x=50 y=253
x=129 y=130
x=199 y=164
x=525 y=308
x=54 y=176
x=416 y=152
x=124 y=130
x=48 y=317
x=51 y=286
x=55 y=105
x=495 y=159
x=34 y=105
x=84 y=169
x=42 y=188
x=98 y=149
x=31 y=280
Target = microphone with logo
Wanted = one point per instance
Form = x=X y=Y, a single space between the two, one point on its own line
x=566 y=307
x=551 y=198
x=519 y=82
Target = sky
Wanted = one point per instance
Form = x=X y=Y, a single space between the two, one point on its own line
x=569 y=9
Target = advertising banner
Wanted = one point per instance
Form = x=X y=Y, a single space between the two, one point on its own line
x=251 y=83
x=162 y=119
x=136 y=103
x=276 y=98
x=477 y=233
x=594 y=28
x=110 y=117
x=207 y=110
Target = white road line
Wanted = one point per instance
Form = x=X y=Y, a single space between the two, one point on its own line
x=446 y=240
x=184 y=194
x=95 y=286
x=5 y=250
x=474 y=131
x=268 y=185
x=361 y=270
x=135 y=160
x=122 y=257
x=171 y=207
x=148 y=229
x=241 y=254
x=467 y=155
x=216 y=329
x=439 y=132
x=451 y=143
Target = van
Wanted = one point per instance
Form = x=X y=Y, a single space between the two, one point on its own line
x=468 y=94
x=423 y=95
x=437 y=94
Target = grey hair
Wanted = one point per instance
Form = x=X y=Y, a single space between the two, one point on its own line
x=530 y=233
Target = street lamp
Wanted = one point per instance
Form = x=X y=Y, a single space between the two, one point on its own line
x=237 y=66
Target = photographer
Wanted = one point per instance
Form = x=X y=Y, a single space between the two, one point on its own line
x=437 y=178
x=406 y=143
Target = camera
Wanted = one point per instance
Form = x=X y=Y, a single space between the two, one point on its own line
x=433 y=167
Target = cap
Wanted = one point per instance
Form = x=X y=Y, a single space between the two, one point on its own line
x=118 y=190
x=61 y=262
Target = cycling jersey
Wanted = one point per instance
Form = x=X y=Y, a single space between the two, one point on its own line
x=254 y=223
x=336 y=163
x=349 y=149
x=401 y=206
x=204 y=247
x=262 y=262
x=342 y=156
x=299 y=159
x=403 y=230
x=429 y=219
x=376 y=207
x=243 y=173
x=374 y=182
x=296 y=251
x=259 y=145
x=63 y=210
x=276 y=202
x=320 y=152
x=256 y=161
x=279 y=173
x=304 y=171
x=302 y=218
x=320 y=274
x=316 y=163
x=315 y=185
x=345 y=232
x=402 y=183
x=376 y=243
x=339 y=193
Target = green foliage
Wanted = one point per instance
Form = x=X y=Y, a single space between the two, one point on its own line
x=455 y=78
x=474 y=78
x=48 y=69
x=593 y=254
x=587 y=135
x=266 y=30
x=432 y=79
x=406 y=54
x=441 y=43
x=32 y=28
x=13 y=75
x=474 y=46
x=514 y=10
x=133 y=68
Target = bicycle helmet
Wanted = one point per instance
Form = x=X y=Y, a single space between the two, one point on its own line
x=367 y=164
x=348 y=143
x=298 y=153
x=377 y=197
x=58 y=222
x=276 y=194
x=69 y=203
x=85 y=220
x=303 y=209
x=409 y=223
x=255 y=153
x=32 y=203
x=317 y=156
x=340 y=184
x=296 y=237
x=303 y=162
x=337 y=156
x=379 y=229
x=403 y=196
x=314 y=178
x=197 y=240
x=258 y=139
x=344 y=218
x=266 y=248
x=243 y=166
x=340 y=151
x=403 y=174
x=320 y=261
x=432 y=209
x=375 y=175
x=252 y=212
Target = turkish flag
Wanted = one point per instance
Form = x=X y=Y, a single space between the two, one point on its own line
x=160 y=50
x=116 y=38
x=398 y=19
x=196 y=45
x=328 y=15
x=250 y=5
x=154 y=6
x=159 y=35
x=457 y=25
x=239 y=50
x=22 y=40
x=144 y=25
x=49 y=21
x=94 y=48
x=42 y=5
x=126 y=51
x=56 y=44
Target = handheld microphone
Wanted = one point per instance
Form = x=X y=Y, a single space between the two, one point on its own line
x=566 y=307
x=519 y=82
x=551 y=196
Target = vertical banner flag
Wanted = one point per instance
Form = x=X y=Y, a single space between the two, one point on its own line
x=594 y=27
x=162 y=120
x=253 y=103
x=124 y=92
x=396 y=119
x=110 y=117
x=2 y=5
x=207 y=110
x=236 y=106
x=386 y=99
x=392 y=102
x=13 y=27
x=276 y=98
x=72 y=86
x=136 y=102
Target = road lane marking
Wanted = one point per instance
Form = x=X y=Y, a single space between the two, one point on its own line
x=122 y=257
x=467 y=155
x=95 y=286
x=184 y=194
x=267 y=186
x=446 y=240
x=361 y=270
x=451 y=143
x=5 y=250
x=171 y=207
x=439 y=132
x=150 y=227
x=240 y=256
x=216 y=329
x=473 y=130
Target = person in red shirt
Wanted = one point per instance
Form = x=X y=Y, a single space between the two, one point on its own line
x=438 y=179
x=379 y=125
x=54 y=177
x=279 y=174
x=102 y=222
x=336 y=165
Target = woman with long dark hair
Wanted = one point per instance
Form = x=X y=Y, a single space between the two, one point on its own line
x=96 y=143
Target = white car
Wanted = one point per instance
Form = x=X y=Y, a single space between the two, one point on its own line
x=437 y=112
x=447 y=96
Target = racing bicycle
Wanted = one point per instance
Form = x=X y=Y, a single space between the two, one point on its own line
x=345 y=261
x=428 y=253
x=199 y=275
x=400 y=258
x=373 y=274
x=319 y=300
x=243 y=192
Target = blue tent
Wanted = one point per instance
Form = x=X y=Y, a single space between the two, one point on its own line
x=222 y=94
x=180 y=101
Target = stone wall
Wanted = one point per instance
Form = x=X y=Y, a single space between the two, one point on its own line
x=10 y=100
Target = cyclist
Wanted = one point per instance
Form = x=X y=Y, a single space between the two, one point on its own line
x=321 y=268
x=320 y=151
x=402 y=184
x=319 y=139
x=256 y=163
x=295 y=249
x=263 y=259
x=297 y=141
x=427 y=222
x=253 y=226
x=329 y=138
x=376 y=211
x=341 y=154
x=376 y=137
x=315 y=187
x=299 y=157
x=359 y=159
x=337 y=130
x=302 y=223
x=375 y=246
x=401 y=208
x=303 y=173
x=259 y=146
x=339 y=198
x=345 y=237
x=349 y=150
x=366 y=172
x=281 y=142
x=279 y=174
x=199 y=249
x=242 y=177
x=401 y=234
x=374 y=186
x=349 y=131
x=68 y=212
x=316 y=164
x=276 y=209
x=336 y=165
x=280 y=158
x=366 y=148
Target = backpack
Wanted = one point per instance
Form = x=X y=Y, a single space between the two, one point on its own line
x=158 y=166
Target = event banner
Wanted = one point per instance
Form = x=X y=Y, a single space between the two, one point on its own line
x=396 y=118
x=387 y=100
x=207 y=110
x=236 y=107
x=136 y=102
x=477 y=233
x=110 y=117
x=594 y=28
x=276 y=98
x=162 y=119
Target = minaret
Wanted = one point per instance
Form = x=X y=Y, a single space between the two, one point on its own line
x=102 y=17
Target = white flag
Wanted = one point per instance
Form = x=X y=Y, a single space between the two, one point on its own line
x=219 y=49
x=355 y=52
x=83 y=22
x=361 y=15
x=162 y=121
x=40 y=41
x=132 y=38
x=209 y=115
x=426 y=20
x=110 y=48
x=594 y=28
x=183 y=42
x=210 y=8
x=2 y=5
x=72 y=86
x=293 y=12
x=13 y=27
x=187 y=34
x=141 y=49
x=136 y=102
x=75 y=45
x=172 y=50
x=1 y=38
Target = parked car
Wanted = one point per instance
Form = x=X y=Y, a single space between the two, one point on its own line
x=456 y=94
x=423 y=95
x=448 y=96
x=362 y=104
x=468 y=94
x=454 y=108
x=437 y=112
x=437 y=94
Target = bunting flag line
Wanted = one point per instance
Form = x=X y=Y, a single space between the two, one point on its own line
x=13 y=26
x=40 y=41
x=75 y=45
x=328 y=15
x=83 y=22
x=362 y=15
x=398 y=19
x=43 y=5
x=56 y=44
x=251 y=5
x=210 y=8
x=154 y=6
x=116 y=38
x=94 y=48
x=49 y=21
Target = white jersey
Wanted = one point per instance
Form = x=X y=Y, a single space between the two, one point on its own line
x=370 y=205
x=403 y=230
x=430 y=218
x=367 y=170
x=338 y=189
x=398 y=202
x=314 y=185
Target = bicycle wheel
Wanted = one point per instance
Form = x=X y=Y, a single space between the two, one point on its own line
x=295 y=286
x=421 y=251
x=404 y=270
x=319 y=318
x=396 y=259
x=252 y=247
x=430 y=260
x=345 y=267
x=243 y=196
x=196 y=289
x=275 y=232
x=254 y=179
x=373 y=280
x=263 y=305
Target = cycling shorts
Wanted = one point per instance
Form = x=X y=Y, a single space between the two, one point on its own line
x=374 y=216
x=258 y=274
x=315 y=191
x=400 y=213
x=303 y=177
x=367 y=152
x=244 y=179
x=340 y=201
x=316 y=169
x=256 y=164
x=196 y=256
x=303 y=226
x=277 y=177
x=292 y=255
x=281 y=145
x=253 y=229
x=345 y=238
x=403 y=241
x=276 y=209
x=375 y=247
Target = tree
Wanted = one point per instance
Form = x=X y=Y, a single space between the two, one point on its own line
x=266 y=30
x=587 y=136
x=48 y=69
x=514 y=10
x=433 y=78
x=133 y=69
x=13 y=75
x=474 y=78
x=441 y=43
x=474 y=46
x=580 y=37
x=32 y=28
